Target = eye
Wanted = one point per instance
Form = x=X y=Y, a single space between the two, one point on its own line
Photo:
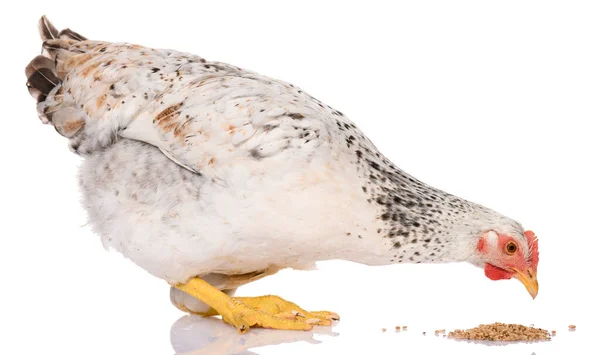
x=511 y=248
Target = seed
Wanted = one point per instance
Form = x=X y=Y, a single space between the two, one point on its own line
x=553 y=332
x=424 y=333
x=404 y=327
x=501 y=332
x=383 y=330
x=398 y=328
x=572 y=327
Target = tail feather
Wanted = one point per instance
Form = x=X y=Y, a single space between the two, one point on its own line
x=36 y=94
x=39 y=62
x=59 y=50
x=42 y=81
x=41 y=77
x=55 y=46
x=44 y=76
x=69 y=34
x=47 y=29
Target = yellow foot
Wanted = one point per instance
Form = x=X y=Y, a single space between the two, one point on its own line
x=279 y=307
x=266 y=311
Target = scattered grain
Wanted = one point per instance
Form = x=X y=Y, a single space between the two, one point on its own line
x=553 y=332
x=572 y=327
x=383 y=330
x=398 y=328
x=501 y=332
x=404 y=327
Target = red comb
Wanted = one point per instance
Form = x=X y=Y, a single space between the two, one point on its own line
x=534 y=254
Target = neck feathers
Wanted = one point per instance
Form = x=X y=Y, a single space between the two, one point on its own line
x=420 y=223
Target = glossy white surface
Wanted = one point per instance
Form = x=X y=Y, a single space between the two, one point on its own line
x=195 y=335
x=493 y=101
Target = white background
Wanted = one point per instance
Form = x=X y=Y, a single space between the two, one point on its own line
x=495 y=101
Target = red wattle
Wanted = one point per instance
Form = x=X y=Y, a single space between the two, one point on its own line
x=496 y=273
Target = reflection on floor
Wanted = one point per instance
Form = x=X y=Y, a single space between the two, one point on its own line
x=192 y=335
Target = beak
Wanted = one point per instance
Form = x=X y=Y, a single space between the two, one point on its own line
x=529 y=280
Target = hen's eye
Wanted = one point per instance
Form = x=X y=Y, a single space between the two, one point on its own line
x=511 y=248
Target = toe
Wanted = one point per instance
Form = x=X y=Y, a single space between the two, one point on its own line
x=309 y=318
x=326 y=315
x=314 y=321
x=321 y=321
x=288 y=315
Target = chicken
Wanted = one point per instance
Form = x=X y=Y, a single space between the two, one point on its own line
x=210 y=176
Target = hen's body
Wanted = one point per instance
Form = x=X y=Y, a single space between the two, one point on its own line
x=259 y=174
x=177 y=224
x=196 y=168
x=266 y=181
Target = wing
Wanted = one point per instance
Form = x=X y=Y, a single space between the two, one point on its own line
x=209 y=124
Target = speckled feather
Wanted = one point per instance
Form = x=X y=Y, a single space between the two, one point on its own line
x=195 y=167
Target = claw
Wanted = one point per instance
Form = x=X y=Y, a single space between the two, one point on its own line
x=286 y=315
x=242 y=329
x=333 y=316
x=298 y=314
x=327 y=315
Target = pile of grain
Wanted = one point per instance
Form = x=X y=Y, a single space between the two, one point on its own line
x=501 y=332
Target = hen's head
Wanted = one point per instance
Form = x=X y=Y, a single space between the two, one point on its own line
x=510 y=256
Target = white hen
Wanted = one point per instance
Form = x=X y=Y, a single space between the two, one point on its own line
x=204 y=173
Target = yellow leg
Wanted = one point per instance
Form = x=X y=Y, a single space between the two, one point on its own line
x=266 y=312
